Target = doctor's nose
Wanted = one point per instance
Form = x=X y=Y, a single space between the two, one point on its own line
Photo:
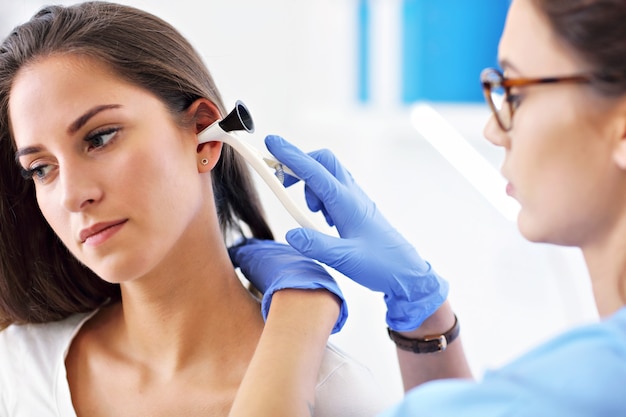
x=494 y=133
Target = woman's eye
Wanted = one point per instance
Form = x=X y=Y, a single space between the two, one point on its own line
x=39 y=172
x=514 y=100
x=102 y=138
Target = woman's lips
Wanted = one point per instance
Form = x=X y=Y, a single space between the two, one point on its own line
x=100 y=232
x=510 y=190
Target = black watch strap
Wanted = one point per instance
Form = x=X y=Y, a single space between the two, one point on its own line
x=428 y=344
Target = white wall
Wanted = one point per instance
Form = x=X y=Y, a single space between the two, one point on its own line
x=292 y=63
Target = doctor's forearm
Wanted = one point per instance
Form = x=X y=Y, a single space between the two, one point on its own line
x=417 y=368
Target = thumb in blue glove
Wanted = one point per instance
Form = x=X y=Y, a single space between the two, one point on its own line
x=369 y=250
x=272 y=266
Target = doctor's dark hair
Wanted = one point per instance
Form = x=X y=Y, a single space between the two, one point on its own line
x=40 y=281
x=596 y=32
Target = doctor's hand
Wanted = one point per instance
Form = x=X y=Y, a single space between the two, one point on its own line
x=369 y=250
x=273 y=266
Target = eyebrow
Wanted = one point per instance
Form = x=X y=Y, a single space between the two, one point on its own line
x=80 y=122
x=73 y=128
x=26 y=151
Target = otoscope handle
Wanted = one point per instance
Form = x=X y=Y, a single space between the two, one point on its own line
x=258 y=162
x=261 y=165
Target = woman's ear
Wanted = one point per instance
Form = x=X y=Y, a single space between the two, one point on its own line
x=202 y=113
x=619 y=151
x=208 y=155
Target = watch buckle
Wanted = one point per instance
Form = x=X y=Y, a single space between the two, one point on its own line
x=442 y=342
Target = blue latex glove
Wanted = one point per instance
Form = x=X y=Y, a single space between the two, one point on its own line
x=369 y=250
x=272 y=266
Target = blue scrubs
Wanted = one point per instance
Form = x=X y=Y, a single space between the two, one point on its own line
x=581 y=373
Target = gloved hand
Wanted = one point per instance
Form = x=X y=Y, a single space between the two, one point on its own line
x=369 y=250
x=272 y=266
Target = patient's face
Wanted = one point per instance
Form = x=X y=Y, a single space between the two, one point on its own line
x=115 y=176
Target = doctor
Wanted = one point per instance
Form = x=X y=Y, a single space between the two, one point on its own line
x=562 y=125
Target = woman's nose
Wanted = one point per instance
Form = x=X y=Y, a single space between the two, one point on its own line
x=79 y=187
x=494 y=133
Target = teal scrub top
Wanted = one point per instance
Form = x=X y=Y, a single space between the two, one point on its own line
x=580 y=373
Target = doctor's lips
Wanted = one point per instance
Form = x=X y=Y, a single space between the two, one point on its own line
x=510 y=190
x=100 y=231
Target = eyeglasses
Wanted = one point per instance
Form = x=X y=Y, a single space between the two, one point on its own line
x=497 y=91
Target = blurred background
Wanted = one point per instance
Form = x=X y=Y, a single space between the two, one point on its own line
x=392 y=87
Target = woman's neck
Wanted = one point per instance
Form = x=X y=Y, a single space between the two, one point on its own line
x=606 y=262
x=187 y=313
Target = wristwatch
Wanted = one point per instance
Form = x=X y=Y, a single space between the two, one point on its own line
x=429 y=344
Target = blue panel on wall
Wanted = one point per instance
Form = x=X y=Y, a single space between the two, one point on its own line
x=445 y=45
x=363 y=39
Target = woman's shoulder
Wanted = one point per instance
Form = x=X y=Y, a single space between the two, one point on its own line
x=34 y=335
x=346 y=387
x=35 y=346
x=32 y=358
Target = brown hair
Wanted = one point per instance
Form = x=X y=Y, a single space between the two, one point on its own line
x=596 y=31
x=40 y=280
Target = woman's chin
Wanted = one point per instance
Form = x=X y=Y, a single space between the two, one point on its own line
x=531 y=230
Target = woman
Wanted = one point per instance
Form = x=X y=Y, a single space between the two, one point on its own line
x=117 y=294
x=562 y=124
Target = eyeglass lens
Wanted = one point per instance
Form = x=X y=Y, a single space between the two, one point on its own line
x=497 y=98
x=501 y=106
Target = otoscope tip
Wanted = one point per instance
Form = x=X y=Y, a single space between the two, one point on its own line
x=238 y=119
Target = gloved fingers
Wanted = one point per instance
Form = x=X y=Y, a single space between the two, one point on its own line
x=329 y=161
x=303 y=164
x=273 y=266
x=242 y=251
x=329 y=186
x=269 y=256
x=315 y=175
x=345 y=202
x=328 y=217
x=288 y=180
x=312 y=201
x=248 y=256
x=343 y=255
x=315 y=204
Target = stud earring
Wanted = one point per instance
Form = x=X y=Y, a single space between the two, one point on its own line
x=204 y=161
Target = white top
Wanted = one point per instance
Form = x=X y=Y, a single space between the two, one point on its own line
x=33 y=379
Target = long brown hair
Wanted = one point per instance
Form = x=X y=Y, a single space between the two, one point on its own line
x=596 y=32
x=40 y=281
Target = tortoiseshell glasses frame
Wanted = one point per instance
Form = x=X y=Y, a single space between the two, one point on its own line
x=497 y=91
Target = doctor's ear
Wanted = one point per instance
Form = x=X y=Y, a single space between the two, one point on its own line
x=619 y=151
x=203 y=113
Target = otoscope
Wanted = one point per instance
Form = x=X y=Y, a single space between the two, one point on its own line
x=271 y=170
